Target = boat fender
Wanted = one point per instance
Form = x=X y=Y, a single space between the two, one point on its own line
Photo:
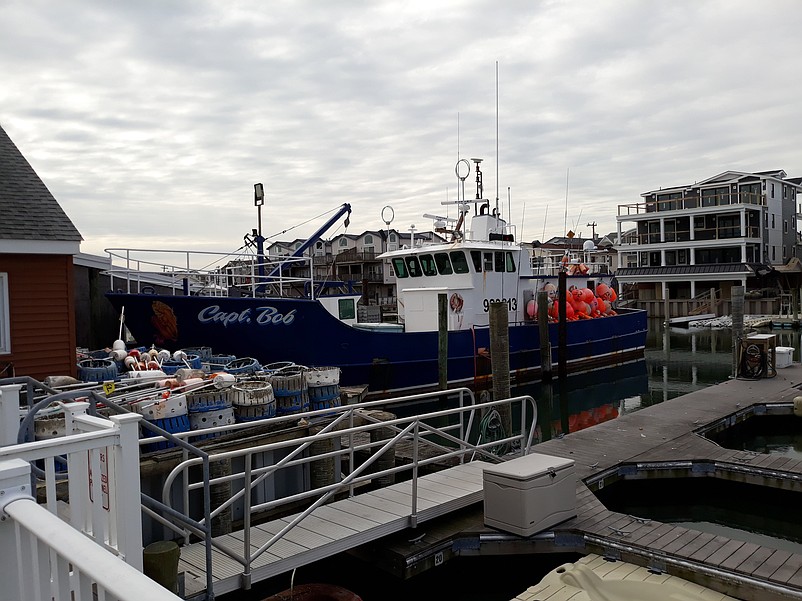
x=223 y=380
x=163 y=355
x=118 y=345
x=118 y=355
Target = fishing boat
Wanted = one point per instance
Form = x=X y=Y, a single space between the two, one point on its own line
x=257 y=306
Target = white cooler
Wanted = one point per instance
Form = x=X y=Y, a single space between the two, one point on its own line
x=529 y=494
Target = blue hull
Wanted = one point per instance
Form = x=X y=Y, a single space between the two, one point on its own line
x=302 y=331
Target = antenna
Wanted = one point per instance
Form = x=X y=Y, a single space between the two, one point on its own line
x=497 y=176
x=565 y=218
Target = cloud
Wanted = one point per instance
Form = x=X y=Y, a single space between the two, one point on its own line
x=150 y=121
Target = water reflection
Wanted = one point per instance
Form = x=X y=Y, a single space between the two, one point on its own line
x=677 y=361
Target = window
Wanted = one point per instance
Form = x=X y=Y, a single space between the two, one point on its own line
x=393 y=238
x=773 y=253
x=343 y=241
x=510 y=262
x=487 y=264
x=347 y=308
x=476 y=258
x=400 y=268
x=413 y=266
x=785 y=226
x=368 y=239
x=772 y=221
x=443 y=264
x=5 y=326
x=458 y=261
x=499 y=261
x=427 y=263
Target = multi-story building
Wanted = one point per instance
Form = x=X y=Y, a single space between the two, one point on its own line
x=735 y=228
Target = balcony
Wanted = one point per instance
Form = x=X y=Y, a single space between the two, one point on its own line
x=692 y=202
x=727 y=232
x=352 y=256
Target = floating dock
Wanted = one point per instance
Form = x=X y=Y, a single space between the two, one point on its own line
x=667 y=434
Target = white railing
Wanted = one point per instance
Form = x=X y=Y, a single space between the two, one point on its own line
x=207 y=273
x=45 y=557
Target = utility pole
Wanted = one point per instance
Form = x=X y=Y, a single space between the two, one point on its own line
x=593 y=226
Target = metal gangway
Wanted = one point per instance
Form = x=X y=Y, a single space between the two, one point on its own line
x=337 y=509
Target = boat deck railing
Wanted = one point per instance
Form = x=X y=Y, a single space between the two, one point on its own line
x=95 y=551
x=139 y=270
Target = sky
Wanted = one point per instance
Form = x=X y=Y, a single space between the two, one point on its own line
x=151 y=120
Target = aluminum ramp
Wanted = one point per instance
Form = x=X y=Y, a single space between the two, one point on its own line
x=334 y=528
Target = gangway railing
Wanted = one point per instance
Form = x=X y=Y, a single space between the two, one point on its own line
x=456 y=439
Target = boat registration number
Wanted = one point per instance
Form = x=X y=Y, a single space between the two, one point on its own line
x=512 y=303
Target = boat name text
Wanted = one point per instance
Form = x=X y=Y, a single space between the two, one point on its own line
x=263 y=316
x=512 y=303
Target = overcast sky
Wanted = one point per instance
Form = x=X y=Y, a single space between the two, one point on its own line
x=150 y=120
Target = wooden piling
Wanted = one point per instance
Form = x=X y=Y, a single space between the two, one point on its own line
x=220 y=493
x=545 y=341
x=442 y=338
x=500 y=360
x=737 y=294
x=562 y=327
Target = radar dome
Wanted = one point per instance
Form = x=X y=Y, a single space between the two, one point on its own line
x=588 y=245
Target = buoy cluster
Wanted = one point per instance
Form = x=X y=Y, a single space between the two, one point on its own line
x=580 y=303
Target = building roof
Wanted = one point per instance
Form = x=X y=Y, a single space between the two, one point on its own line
x=624 y=272
x=29 y=211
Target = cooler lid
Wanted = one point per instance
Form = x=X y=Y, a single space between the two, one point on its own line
x=529 y=466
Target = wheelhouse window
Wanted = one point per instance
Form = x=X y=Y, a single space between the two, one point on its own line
x=499 y=261
x=400 y=268
x=487 y=263
x=427 y=264
x=458 y=261
x=5 y=326
x=413 y=267
x=476 y=259
x=510 y=262
x=347 y=308
x=443 y=264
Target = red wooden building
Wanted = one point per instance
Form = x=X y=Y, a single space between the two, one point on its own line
x=37 y=244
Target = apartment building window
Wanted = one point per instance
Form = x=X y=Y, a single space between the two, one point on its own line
x=712 y=197
x=784 y=252
x=343 y=241
x=750 y=193
x=773 y=253
x=772 y=190
x=668 y=202
x=785 y=192
x=785 y=226
x=772 y=221
x=682 y=256
x=5 y=325
x=368 y=239
x=671 y=257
